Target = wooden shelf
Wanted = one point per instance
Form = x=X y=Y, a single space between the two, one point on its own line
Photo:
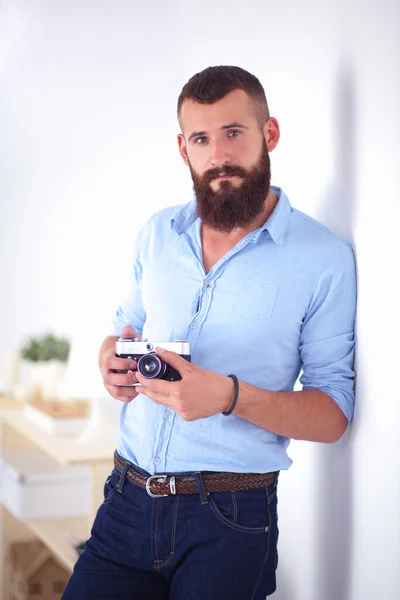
x=65 y=449
x=7 y=403
x=60 y=535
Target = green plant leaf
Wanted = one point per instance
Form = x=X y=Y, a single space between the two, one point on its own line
x=48 y=347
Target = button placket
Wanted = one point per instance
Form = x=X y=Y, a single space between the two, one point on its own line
x=205 y=286
x=163 y=438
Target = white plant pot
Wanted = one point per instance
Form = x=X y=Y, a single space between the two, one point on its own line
x=47 y=378
x=103 y=423
x=10 y=372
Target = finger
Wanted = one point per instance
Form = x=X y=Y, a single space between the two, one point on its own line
x=128 y=331
x=157 y=397
x=114 y=363
x=120 y=379
x=183 y=366
x=122 y=390
x=123 y=394
x=125 y=399
x=156 y=385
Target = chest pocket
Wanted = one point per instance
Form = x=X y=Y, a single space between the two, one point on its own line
x=256 y=300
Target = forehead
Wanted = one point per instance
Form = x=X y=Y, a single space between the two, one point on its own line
x=236 y=106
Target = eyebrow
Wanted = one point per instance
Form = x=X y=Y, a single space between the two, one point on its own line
x=234 y=124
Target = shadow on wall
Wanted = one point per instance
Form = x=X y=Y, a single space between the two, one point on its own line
x=334 y=462
x=285 y=589
x=337 y=209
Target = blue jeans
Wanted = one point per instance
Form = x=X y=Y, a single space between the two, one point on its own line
x=221 y=546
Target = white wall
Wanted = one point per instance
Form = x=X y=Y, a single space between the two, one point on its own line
x=87 y=151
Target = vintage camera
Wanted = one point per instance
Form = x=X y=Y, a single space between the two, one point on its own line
x=149 y=364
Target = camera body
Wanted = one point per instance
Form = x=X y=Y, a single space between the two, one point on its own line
x=149 y=365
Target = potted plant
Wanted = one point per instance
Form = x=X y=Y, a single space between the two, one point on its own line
x=48 y=357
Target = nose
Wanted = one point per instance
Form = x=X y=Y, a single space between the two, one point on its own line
x=220 y=155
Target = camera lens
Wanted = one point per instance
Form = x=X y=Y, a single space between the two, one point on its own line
x=151 y=367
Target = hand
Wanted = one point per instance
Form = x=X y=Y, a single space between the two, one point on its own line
x=116 y=383
x=199 y=394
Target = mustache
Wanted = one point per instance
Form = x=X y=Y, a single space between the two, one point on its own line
x=227 y=170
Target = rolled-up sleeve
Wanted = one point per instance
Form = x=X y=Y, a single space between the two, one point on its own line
x=327 y=336
x=130 y=310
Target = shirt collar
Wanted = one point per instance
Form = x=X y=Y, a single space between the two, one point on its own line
x=278 y=221
x=276 y=224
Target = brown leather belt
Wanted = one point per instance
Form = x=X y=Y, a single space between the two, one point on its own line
x=164 y=485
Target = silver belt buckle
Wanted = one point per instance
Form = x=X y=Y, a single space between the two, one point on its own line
x=160 y=479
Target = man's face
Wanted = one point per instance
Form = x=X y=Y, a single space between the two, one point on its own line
x=228 y=158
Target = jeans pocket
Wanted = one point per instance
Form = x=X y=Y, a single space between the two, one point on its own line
x=245 y=511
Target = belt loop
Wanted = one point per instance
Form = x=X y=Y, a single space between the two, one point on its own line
x=121 y=481
x=201 y=488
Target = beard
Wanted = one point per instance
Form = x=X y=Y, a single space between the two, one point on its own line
x=233 y=206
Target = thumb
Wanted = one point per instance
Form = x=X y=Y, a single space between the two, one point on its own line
x=128 y=331
x=175 y=360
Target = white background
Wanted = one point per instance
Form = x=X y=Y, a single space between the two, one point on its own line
x=88 y=151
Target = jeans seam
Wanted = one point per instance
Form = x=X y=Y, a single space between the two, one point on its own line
x=268 y=541
x=173 y=538
x=156 y=530
x=261 y=570
x=162 y=564
x=109 y=497
x=235 y=511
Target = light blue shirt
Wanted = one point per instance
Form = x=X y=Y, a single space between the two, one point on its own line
x=281 y=302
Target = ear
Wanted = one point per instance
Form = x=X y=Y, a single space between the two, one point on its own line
x=183 y=149
x=271 y=133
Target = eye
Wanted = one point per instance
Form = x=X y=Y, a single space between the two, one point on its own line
x=233 y=133
x=200 y=140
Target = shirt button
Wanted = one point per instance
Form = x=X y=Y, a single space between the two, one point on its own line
x=205 y=284
x=157 y=461
x=192 y=325
x=167 y=415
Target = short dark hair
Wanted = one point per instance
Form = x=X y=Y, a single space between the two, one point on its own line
x=214 y=83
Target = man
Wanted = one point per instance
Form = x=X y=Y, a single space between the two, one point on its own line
x=261 y=292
